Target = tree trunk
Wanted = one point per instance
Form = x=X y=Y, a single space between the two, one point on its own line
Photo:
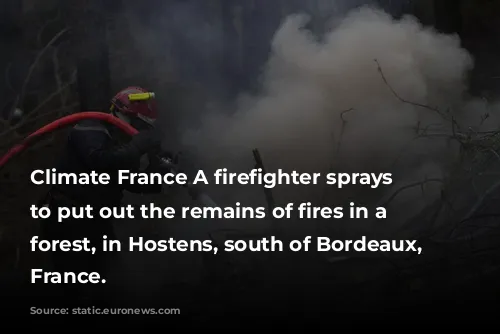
x=88 y=21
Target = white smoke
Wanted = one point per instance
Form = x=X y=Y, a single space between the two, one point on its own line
x=324 y=103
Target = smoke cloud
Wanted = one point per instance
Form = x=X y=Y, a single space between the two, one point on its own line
x=372 y=94
x=353 y=100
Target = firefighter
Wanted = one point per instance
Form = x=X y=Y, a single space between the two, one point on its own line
x=96 y=146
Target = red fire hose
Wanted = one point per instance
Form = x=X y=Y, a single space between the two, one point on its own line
x=75 y=118
x=64 y=122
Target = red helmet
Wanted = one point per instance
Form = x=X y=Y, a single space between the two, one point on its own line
x=143 y=108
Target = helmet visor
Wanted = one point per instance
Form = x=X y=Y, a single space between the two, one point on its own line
x=142 y=123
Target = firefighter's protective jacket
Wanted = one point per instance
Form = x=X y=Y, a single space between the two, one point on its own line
x=94 y=146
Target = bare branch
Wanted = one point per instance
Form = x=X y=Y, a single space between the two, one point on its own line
x=57 y=92
x=33 y=114
x=409 y=186
x=55 y=61
x=45 y=25
x=35 y=64
x=400 y=98
x=7 y=78
x=345 y=112
x=339 y=144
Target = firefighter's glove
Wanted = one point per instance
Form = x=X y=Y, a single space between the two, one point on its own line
x=155 y=161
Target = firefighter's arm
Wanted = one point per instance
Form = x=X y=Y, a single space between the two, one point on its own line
x=90 y=141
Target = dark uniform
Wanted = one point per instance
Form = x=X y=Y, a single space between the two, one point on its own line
x=93 y=146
